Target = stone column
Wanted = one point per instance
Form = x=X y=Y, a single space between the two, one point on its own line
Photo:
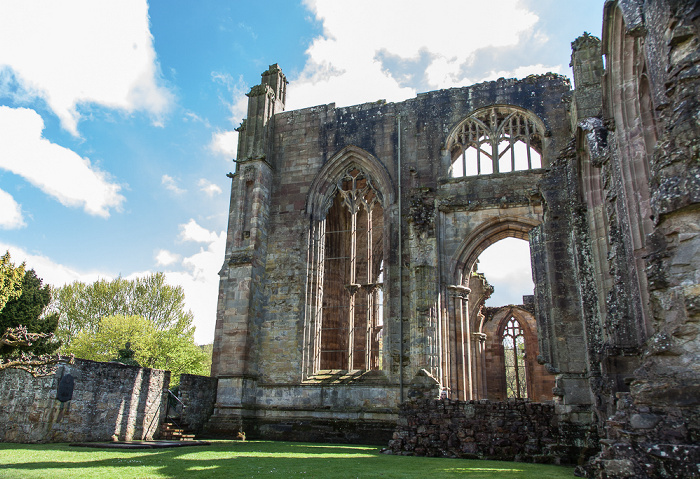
x=462 y=375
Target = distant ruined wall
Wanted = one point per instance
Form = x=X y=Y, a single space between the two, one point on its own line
x=109 y=399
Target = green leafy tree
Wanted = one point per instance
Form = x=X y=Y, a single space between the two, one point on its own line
x=82 y=306
x=173 y=349
x=98 y=319
x=23 y=317
x=10 y=279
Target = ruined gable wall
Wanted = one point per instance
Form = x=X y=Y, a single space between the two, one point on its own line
x=265 y=328
x=304 y=140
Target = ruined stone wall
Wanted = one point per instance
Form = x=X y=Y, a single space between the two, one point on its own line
x=515 y=430
x=109 y=400
x=645 y=151
x=648 y=441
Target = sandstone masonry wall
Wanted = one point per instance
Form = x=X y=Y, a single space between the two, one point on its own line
x=198 y=394
x=109 y=399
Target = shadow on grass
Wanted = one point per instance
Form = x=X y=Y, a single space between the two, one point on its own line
x=251 y=459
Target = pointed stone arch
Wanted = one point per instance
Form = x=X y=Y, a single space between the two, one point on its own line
x=348 y=207
x=323 y=187
x=539 y=382
x=485 y=235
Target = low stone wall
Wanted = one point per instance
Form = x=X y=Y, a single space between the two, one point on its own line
x=108 y=400
x=198 y=394
x=514 y=430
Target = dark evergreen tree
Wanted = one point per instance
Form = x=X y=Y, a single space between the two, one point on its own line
x=28 y=311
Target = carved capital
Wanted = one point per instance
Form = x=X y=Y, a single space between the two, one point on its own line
x=459 y=291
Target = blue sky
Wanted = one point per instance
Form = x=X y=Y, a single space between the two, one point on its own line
x=117 y=117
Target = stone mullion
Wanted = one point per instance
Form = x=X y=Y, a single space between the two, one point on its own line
x=369 y=292
x=446 y=350
x=478 y=152
x=493 y=139
x=319 y=280
x=351 y=289
x=527 y=143
x=516 y=366
x=512 y=141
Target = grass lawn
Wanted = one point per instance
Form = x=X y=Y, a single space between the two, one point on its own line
x=249 y=459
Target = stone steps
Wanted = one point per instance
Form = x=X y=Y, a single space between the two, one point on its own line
x=172 y=432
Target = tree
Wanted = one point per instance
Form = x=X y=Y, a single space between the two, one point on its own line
x=173 y=349
x=82 y=306
x=209 y=351
x=25 y=326
x=23 y=322
x=98 y=319
x=10 y=279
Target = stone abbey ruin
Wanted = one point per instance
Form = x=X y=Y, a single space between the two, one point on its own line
x=349 y=285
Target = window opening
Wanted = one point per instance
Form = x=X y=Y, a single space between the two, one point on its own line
x=352 y=270
x=496 y=140
x=514 y=358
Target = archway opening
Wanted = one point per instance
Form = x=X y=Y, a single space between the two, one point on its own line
x=503 y=325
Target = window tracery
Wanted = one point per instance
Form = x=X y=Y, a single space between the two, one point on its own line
x=349 y=276
x=496 y=140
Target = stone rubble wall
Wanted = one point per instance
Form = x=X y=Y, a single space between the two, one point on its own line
x=110 y=400
x=514 y=430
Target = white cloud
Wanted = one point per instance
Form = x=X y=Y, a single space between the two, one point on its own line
x=191 y=116
x=171 y=185
x=193 y=232
x=56 y=170
x=343 y=65
x=236 y=100
x=200 y=278
x=51 y=272
x=208 y=187
x=166 y=258
x=10 y=212
x=82 y=51
x=224 y=143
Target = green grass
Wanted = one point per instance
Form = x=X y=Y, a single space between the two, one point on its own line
x=250 y=459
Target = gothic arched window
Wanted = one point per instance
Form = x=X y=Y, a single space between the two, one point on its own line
x=514 y=358
x=497 y=139
x=349 y=323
